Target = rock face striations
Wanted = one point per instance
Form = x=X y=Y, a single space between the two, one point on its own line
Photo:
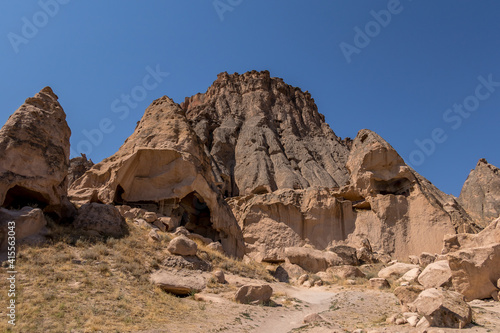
x=34 y=156
x=263 y=135
x=162 y=167
x=385 y=202
x=480 y=195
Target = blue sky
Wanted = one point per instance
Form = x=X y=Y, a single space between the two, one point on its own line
x=403 y=76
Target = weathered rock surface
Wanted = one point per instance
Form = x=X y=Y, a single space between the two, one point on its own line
x=475 y=271
x=34 y=156
x=183 y=246
x=27 y=222
x=386 y=202
x=443 y=308
x=77 y=167
x=346 y=272
x=407 y=295
x=292 y=218
x=404 y=205
x=312 y=260
x=435 y=275
x=379 y=283
x=480 y=195
x=162 y=167
x=254 y=294
x=178 y=283
x=104 y=220
x=263 y=135
x=488 y=236
x=395 y=271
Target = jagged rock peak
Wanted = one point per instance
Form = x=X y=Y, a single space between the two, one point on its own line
x=480 y=195
x=263 y=134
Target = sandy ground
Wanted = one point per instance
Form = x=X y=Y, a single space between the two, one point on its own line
x=344 y=309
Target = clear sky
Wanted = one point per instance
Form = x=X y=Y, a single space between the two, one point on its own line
x=420 y=70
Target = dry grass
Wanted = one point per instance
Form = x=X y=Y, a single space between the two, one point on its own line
x=87 y=285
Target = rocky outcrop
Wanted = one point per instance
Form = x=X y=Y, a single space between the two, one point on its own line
x=386 y=202
x=398 y=206
x=489 y=235
x=292 y=218
x=263 y=135
x=475 y=271
x=77 y=167
x=162 y=167
x=34 y=156
x=480 y=195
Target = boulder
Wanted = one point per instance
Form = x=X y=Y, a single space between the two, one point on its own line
x=34 y=157
x=407 y=295
x=426 y=259
x=28 y=222
x=216 y=246
x=435 y=275
x=312 y=260
x=219 y=276
x=100 y=219
x=183 y=246
x=475 y=271
x=177 y=283
x=379 y=283
x=171 y=223
x=346 y=253
x=411 y=275
x=160 y=225
x=153 y=235
x=443 y=308
x=346 y=272
x=254 y=294
x=312 y=318
x=150 y=217
x=396 y=270
x=480 y=195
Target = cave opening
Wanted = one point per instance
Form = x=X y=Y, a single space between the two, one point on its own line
x=195 y=216
x=18 y=197
x=401 y=186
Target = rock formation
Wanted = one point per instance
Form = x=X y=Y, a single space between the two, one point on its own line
x=386 y=202
x=264 y=135
x=163 y=168
x=34 y=156
x=77 y=167
x=480 y=195
x=397 y=206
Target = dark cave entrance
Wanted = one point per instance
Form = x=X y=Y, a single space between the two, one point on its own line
x=195 y=216
x=18 y=197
